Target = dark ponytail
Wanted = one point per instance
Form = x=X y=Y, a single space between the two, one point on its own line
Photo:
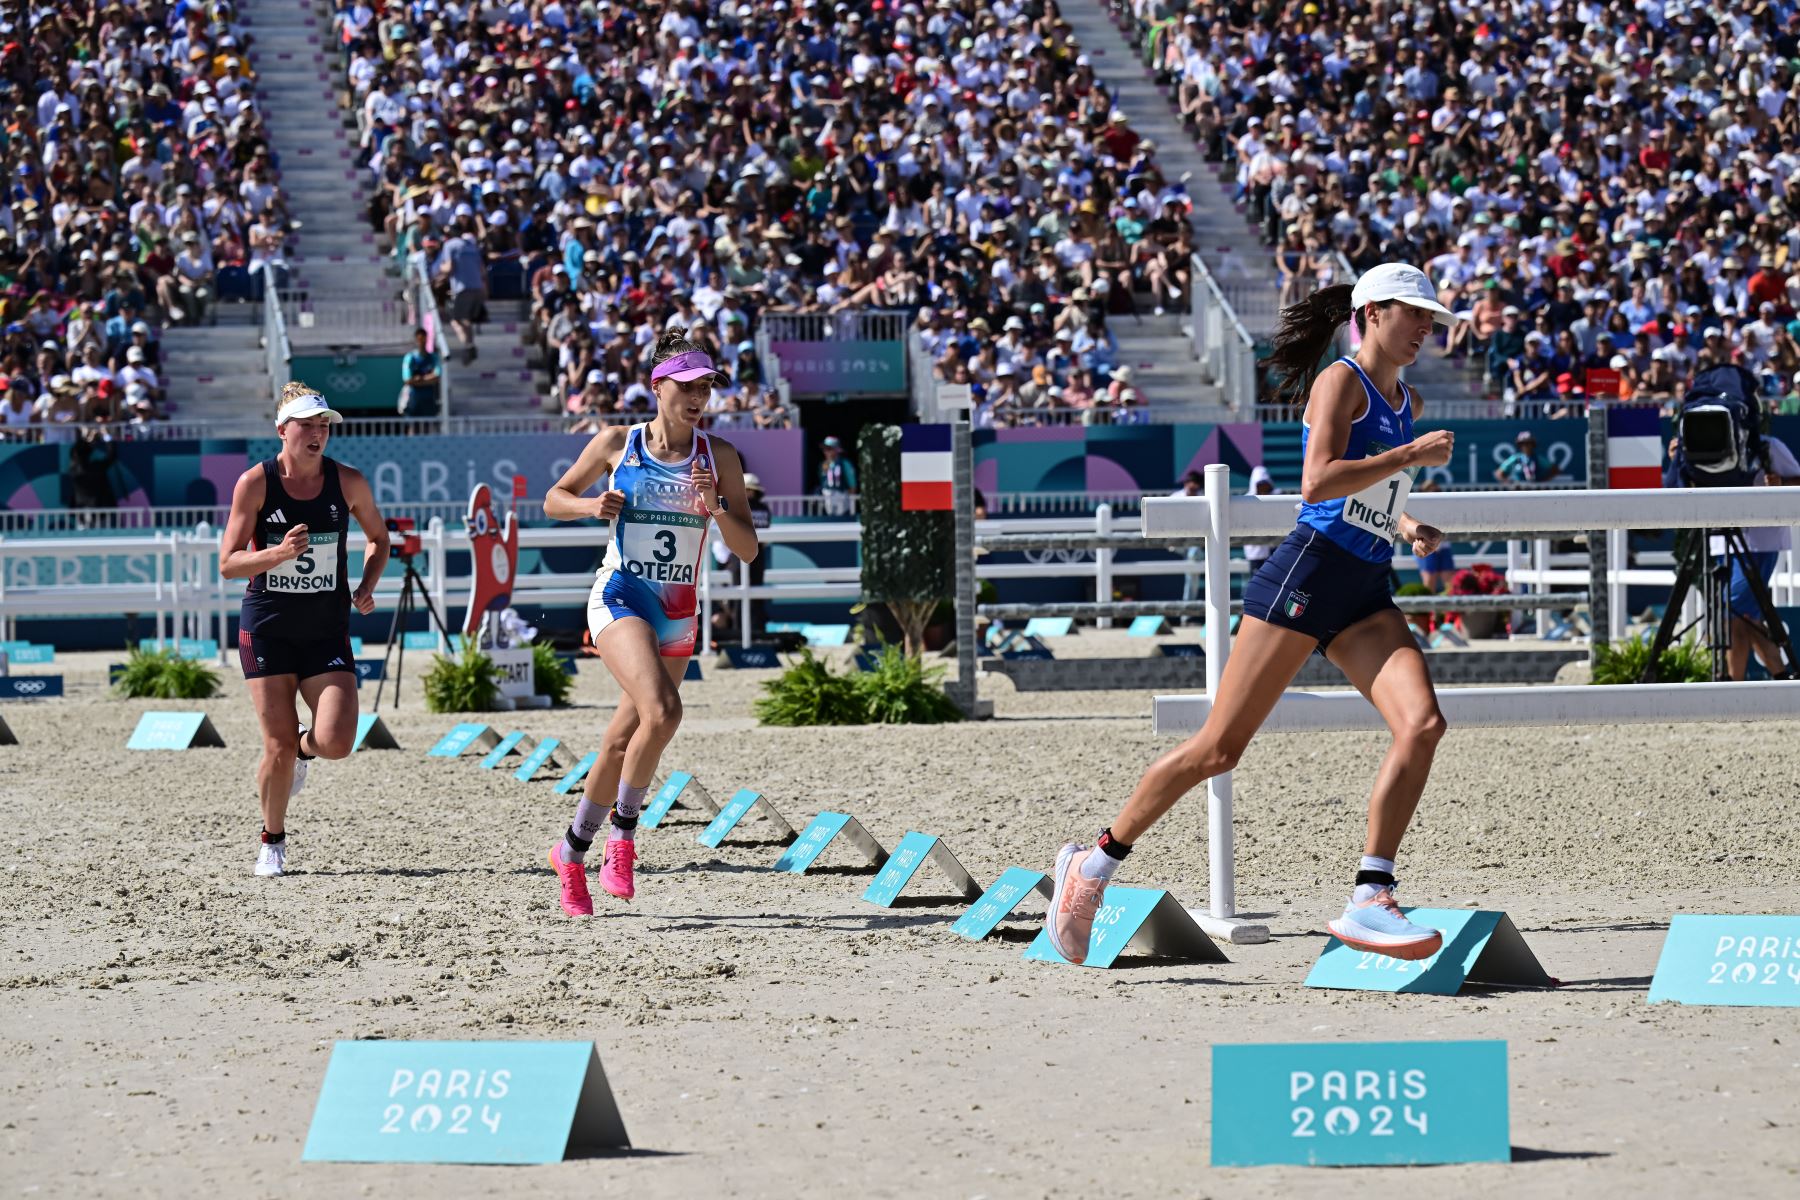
x=1305 y=333
x=671 y=343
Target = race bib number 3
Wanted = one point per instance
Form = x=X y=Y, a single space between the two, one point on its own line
x=661 y=547
x=1377 y=508
x=313 y=571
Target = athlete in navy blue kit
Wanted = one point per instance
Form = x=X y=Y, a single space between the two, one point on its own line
x=288 y=534
x=1325 y=588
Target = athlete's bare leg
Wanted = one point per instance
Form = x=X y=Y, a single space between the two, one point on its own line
x=1264 y=660
x=602 y=784
x=1382 y=659
x=274 y=697
x=332 y=698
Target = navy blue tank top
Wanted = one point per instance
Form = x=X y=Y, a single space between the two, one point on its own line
x=1366 y=523
x=306 y=597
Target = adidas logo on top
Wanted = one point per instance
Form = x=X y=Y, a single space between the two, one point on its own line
x=278 y=516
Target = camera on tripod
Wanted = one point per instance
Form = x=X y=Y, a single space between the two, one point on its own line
x=1721 y=429
x=407 y=545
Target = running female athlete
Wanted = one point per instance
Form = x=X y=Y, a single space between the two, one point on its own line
x=1325 y=588
x=668 y=480
x=288 y=534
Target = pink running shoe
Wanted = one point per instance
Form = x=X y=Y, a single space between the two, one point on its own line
x=1073 y=904
x=575 y=899
x=617 y=867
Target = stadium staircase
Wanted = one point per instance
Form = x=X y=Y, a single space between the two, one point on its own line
x=336 y=260
x=1228 y=239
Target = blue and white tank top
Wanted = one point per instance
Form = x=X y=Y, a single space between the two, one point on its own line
x=1367 y=522
x=659 y=535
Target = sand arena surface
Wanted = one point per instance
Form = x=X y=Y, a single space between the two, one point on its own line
x=165 y=1018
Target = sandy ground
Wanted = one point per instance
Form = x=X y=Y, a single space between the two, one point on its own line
x=165 y=1018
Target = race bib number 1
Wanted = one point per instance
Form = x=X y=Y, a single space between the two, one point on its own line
x=314 y=570
x=1377 y=508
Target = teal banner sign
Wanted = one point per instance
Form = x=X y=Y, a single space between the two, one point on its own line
x=1359 y=1103
x=1730 y=960
x=843 y=368
x=463 y=1102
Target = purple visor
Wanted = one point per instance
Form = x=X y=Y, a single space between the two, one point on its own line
x=686 y=366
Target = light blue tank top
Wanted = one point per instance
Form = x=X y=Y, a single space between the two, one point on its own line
x=1378 y=429
x=659 y=536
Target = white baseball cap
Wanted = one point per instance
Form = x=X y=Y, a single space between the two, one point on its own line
x=310 y=405
x=1398 y=281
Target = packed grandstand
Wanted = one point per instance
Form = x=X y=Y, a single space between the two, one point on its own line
x=1602 y=186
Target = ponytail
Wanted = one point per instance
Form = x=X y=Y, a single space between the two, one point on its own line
x=671 y=343
x=1305 y=332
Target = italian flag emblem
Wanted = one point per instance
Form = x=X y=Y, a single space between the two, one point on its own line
x=1296 y=603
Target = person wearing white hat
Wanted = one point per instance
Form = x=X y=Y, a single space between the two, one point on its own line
x=288 y=534
x=1326 y=589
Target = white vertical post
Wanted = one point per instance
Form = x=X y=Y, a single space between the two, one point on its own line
x=1103 y=562
x=1540 y=561
x=440 y=570
x=1618 y=549
x=1221 y=853
x=706 y=570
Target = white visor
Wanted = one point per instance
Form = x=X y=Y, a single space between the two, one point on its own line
x=307 y=406
x=1397 y=281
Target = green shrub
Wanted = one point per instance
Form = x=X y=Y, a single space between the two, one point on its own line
x=1413 y=589
x=467 y=683
x=548 y=675
x=809 y=692
x=1624 y=662
x=902 y=690
x=162 y=675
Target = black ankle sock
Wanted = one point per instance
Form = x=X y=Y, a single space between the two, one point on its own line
x=623 y=822
x=274 y=839
x=1112 y=846
x=1378 y=878
x=577 y=844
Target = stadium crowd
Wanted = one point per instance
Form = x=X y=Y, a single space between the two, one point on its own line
x=631 y=168
x=136 y=169
x=1602 y=185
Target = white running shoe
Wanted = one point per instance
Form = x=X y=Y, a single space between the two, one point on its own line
x=301 y=765
x=271 y=859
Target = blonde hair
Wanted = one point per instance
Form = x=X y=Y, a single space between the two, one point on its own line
x=296 y=390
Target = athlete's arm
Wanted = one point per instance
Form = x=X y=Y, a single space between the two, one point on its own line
x=236 y=559
x=361 y=499
x=565 y=502
x=1337 y=398
x=728 y=483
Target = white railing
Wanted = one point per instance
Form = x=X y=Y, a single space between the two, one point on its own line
x=276 y=350
x=850 y=325
x=1226 y=351
x=1220 y=517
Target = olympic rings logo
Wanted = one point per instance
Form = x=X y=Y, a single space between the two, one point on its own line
x=346 y=381
x=28 y=687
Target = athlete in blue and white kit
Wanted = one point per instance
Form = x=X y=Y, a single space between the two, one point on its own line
x=668 y=481
x=1325 y=588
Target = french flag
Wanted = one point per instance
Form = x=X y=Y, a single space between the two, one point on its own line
x=925 y=468
x=1634 y=448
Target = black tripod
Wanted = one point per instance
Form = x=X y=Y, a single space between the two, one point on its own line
x=1694 y=561
x=403 y=609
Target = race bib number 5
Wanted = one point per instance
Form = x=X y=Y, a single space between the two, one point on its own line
x=314 y=570
x=1377 y=508
x=661 y=547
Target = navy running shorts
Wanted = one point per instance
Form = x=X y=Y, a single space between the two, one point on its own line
x=261 y=655
x=1314 y=586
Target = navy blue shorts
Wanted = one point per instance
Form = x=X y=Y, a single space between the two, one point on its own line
x=262 y=654
x=1742 y=599
x=1314 y=586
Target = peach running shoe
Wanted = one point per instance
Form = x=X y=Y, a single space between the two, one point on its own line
x=1379 y=927
x=1073 y=903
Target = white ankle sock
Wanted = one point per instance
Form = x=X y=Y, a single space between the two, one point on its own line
x=1099 y=864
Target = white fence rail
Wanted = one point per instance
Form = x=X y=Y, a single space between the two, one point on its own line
x=1219 y=517
x=1226 y=351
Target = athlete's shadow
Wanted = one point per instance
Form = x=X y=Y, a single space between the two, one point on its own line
x=846 y=923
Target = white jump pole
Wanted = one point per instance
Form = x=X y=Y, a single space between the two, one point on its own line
x=1220 y=918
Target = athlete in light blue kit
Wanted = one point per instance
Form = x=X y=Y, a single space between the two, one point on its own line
x=1325 y=588
x=668 y=481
